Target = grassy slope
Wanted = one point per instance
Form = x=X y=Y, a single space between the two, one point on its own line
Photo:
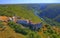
x=19 y=10
x=22 y=11
x=9 y=33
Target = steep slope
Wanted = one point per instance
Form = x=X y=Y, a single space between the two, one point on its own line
x=25 y=13
x=18 y=10
x=9 y=32
x=52 y=11
x=22 y=12
x=57 y=18
x=49 y=10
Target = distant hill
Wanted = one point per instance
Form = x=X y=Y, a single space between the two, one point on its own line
x=47 y=10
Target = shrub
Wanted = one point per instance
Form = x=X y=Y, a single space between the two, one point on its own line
x=17 y=28
x=33 y=35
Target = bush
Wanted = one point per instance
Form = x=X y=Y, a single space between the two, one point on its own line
x=17 y=28
x=33 y=35
x=53 y=36
x=22 y=31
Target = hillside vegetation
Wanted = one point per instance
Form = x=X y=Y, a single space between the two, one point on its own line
x=13 y=30
x=18 y=10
